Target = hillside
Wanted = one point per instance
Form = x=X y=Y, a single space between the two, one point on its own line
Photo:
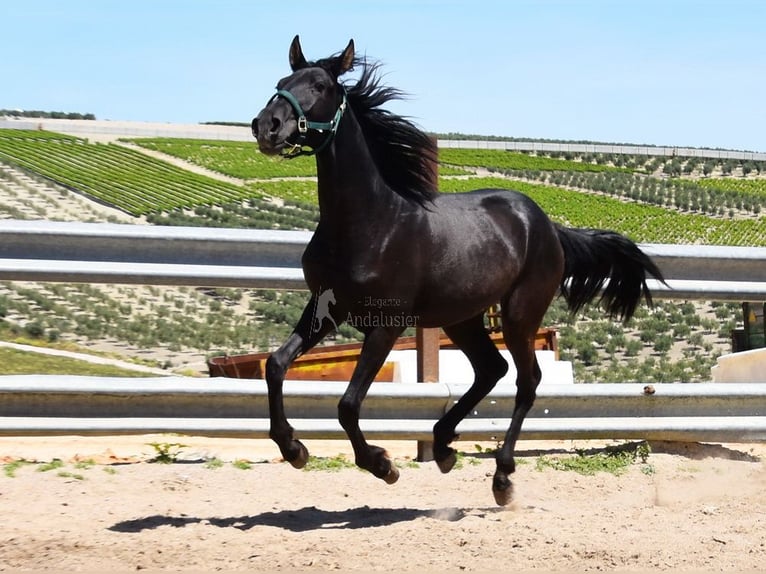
x=222 y=183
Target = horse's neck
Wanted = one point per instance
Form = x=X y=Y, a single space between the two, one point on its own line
x=351 y=189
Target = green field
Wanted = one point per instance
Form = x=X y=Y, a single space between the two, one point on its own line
x=235 y=159
x=756 y=187
x=122 y=177
x=142 y=185
x=505 y=160
x=645 y=223
x=15 y=362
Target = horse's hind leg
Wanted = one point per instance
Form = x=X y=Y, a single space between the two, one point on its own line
x=303 y=338
x=522 y=314
x=489 y=367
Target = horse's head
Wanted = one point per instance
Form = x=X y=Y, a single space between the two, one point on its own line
x=307 y=107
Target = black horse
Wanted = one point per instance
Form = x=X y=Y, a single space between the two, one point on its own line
x=393 y=252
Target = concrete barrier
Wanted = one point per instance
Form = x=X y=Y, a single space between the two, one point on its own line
x=742 y=367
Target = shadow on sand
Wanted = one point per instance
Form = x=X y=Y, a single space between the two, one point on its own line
x=304 y=519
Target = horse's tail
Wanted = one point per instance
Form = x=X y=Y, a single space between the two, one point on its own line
x=593 y=257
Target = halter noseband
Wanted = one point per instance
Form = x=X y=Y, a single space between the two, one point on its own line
x=304 y=125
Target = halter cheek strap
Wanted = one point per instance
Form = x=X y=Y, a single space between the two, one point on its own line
x=304 y=125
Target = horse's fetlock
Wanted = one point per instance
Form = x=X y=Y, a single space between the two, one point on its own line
x=443 y=432
x=506 y=466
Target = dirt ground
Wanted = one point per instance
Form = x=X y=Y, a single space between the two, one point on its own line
x=694 y=507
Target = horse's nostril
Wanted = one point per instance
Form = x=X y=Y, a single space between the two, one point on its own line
x=254 y=127
x=276 y=123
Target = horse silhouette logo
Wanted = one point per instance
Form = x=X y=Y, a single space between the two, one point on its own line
x=322 y=309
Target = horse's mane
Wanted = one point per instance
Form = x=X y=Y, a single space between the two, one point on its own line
x=404 y=155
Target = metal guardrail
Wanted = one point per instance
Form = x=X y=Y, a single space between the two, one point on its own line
x=195 y=256
x=152 y=255
x=56 y=405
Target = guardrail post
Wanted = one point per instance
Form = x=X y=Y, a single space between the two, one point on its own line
x=427 y=350
x=427 y=344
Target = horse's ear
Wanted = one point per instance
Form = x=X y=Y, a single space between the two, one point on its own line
x=345 y=61
x=297 y=60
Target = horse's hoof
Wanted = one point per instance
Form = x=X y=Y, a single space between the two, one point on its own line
x=502 y=488
x=446 y=464
x=505 y=496
x=302 y=457
x=393 y=474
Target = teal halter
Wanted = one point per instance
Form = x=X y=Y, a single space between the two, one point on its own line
x=304 y=125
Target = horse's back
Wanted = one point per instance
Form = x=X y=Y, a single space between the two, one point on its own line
x=515 y=215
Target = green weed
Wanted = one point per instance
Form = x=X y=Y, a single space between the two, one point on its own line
x=166 y=452
x=66 y=474
x=10 y=468
x=486 y=450
x=52 y=465
x=330 y=464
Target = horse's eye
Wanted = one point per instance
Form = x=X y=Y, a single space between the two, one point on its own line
x=319 y=87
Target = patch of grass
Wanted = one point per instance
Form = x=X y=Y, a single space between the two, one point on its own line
x=213 y=463
x=242 y=464
x=486 y=450
x=614 y=460
x=10 y=468
x=52 y=465
x=110 y=470
x=329 y=464
x=85 y=464
x=67 y=474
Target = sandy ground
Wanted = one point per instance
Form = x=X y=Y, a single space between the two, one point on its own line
x=702 y=508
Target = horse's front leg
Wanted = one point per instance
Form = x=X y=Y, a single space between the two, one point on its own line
x=306 y=335
x=377 y=344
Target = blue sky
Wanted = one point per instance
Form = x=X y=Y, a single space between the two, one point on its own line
x=669 y=72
